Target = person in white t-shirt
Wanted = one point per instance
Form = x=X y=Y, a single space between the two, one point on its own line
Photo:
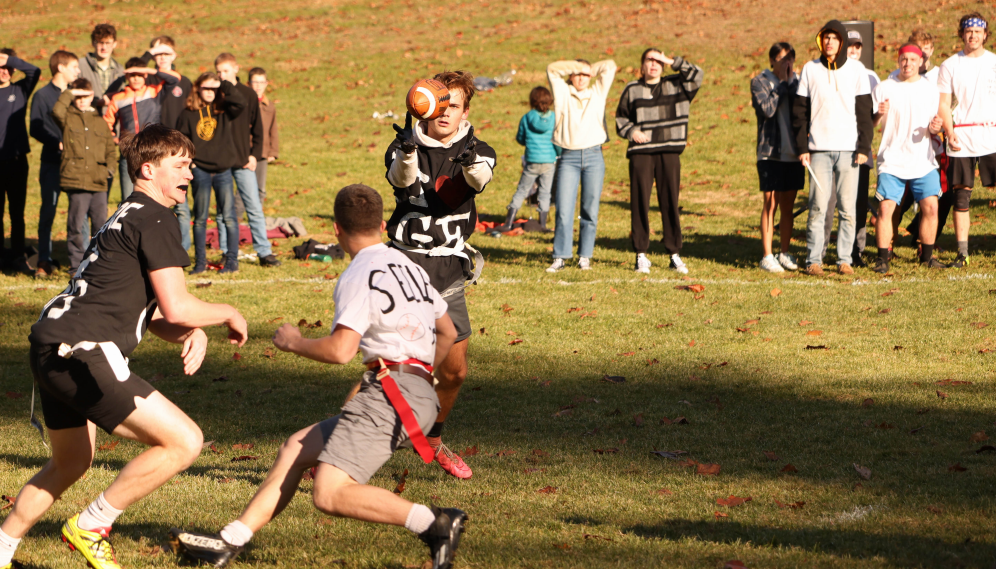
x=386 y=308
x=907 y=111
x=832 y=115
x=969 y=77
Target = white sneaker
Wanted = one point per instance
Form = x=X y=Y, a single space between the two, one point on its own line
x=768 y=263
x=678 y=265
x=557 y=266
x=584 y=263
x=642 y=264
x=787 y=262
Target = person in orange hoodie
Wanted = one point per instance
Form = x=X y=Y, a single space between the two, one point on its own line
x=136 y=106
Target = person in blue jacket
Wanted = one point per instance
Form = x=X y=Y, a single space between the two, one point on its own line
x=536 y=134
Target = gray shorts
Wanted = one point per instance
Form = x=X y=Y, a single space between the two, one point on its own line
x=457 y=309
x=363 y=437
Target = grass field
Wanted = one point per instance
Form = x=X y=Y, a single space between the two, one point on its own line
x=904 y=386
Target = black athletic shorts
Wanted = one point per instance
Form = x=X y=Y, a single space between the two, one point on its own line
x=83 y=387
x=457 y=309
x=961 y=171
x=778 y=176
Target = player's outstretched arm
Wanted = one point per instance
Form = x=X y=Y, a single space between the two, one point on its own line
x=181 y=309
x=339 y=348
x=445 y=335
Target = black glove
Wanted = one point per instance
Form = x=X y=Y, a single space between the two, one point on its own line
x=404 y=137
x=468 y=157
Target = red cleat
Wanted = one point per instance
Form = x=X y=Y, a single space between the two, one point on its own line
x=451 y=463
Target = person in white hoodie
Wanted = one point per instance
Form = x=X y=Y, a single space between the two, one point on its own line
x=580 y=90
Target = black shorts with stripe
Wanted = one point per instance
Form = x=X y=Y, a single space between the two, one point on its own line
x=961 y=171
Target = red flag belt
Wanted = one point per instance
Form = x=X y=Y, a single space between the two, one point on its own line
x=405 y=412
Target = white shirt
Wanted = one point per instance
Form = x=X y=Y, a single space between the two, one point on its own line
x=972 y=82
x=906 y=151
x=930 y=75
x=833 y=124
x=388 y=300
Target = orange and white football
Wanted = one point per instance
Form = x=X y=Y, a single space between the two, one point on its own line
x=427 y=99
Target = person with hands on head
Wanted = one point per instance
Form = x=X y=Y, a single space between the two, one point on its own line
x=580 y=91
x=14 y=149
x=970 y=127
x=86 y=164
x=212 y=109
x=653 y=115
x=437 y=168
x=779 y=172
x=907 y=111
x=832 y=117
x=131 y=280
x=386 y=308
x=136 y=106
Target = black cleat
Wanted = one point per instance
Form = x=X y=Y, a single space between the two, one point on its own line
x=269 y=261
x=200 y=548
x=933 y=263
x=443 y=536
x=960 y=262
x=881 y=266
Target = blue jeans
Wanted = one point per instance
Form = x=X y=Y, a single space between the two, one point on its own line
x=202 y=184
x=182 y=212
x=836 y=174
x=248 y=187
x=530 y=173
x=586 y=166
x=127 y=186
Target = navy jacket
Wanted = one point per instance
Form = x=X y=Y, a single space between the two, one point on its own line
x=14 y=110
x=43 y=126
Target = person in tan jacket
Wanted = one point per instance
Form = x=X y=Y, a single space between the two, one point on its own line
x=87 y=156
x=579 y=93
x=271 y=133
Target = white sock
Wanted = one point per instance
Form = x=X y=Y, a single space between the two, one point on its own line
x=236 y=533
x=99 y=514
x=8 y=546
x=420 y=518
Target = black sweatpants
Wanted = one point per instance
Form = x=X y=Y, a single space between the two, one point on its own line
x=13 y=191
x=83 y=204
x=644 y=170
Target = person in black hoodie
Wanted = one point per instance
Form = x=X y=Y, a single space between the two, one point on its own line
x=437 y=168
x=212 y=108
x=832 y=116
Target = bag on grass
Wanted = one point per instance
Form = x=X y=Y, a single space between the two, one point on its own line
x=312 y=247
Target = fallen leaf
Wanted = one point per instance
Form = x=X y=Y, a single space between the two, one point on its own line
x=482 y=331
x=560 y=545
x=979 y=324
x=575 y=309
x=613 y=379
x=236 y=356
x=506 y=308
x=733 y=501
x=244 y=458
x=771 y=456
x=638 y=419
x=868 y=402
x=214 y=449
x=309 y=474
x=547 y=490
x=516 y=341
x=563 y=412
x=814 y=333
x=268 y=353
x=805 y=323
x=751 y=322
x=979 y=437
x=793 y=505
x=775 y=292
x=696 y=288
x=863 y=472
x=470 y=451
x=952 y=382
x=203 y=285
x=593 y=536
x=278 y=318
x=942 y=395
x=721 y=515
x=533 y=470
x=821 y=347
x=935 y=510
x=676 y=421
x=790 y=468
x=109 y=446
x=734 y=564
x=691 y=344
x=226 y=480
x=885 y=311
x=707 y=469
x=653 y=362
x=243 y=446
x=627 y=354
x=664 y=492
x=331 y=277
x=957 y=467
x=401 y=482
x=302 y=322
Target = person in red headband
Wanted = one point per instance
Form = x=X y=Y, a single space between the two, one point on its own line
x=906 y=109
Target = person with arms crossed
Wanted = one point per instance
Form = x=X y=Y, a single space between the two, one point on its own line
x=271 y=132
x=437 y=168
x=970 y=128
x=653 y=115
x=832 y=118
x=65 y=68
x=778 y=169
x=907 y=111
x=131 y=280
x=386 y=308
x=14 y=149
x=580 y=90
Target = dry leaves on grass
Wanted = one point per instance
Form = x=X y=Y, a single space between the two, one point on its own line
x=820 y=347
x=771 y=456
x=547 y=490
x=979 y=436
x=733 y=501
x=203 y=285
x=469 y=451
x=734 y=564
x=775 y=292
x=942 y=395
x=109 y=445
x=696 y=288
x=721 y=515
x=957 y=467
x=868 y=402
x=664 y=492
x=613 y=379
x=236 y=356
x=952 y=382
x=862 y=471
x=675 y=421
x=638 y=419
x=516 y=341
x=507 y=308
x=243 y=446
x=815 y=333
x=244 y=458
x=790 y=468
x=793 y=505
x=401 y=482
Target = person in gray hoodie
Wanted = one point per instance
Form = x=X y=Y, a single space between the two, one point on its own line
x=832 y=116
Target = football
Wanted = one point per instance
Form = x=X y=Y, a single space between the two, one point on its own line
x=427 y=99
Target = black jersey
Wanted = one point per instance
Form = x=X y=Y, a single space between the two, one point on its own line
x=437 y=213
x=110 y=298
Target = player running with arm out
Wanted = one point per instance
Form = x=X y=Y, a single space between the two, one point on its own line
x=386 y=307
x=437 y=168
x=131 y=279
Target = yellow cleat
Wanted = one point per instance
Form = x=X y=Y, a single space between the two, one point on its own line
x=96 y=549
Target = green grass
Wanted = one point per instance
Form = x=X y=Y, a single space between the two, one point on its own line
x=743 y=393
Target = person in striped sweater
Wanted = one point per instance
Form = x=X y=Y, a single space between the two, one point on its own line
x=653 y=115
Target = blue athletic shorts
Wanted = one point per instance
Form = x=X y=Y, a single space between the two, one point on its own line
x=892 y=188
